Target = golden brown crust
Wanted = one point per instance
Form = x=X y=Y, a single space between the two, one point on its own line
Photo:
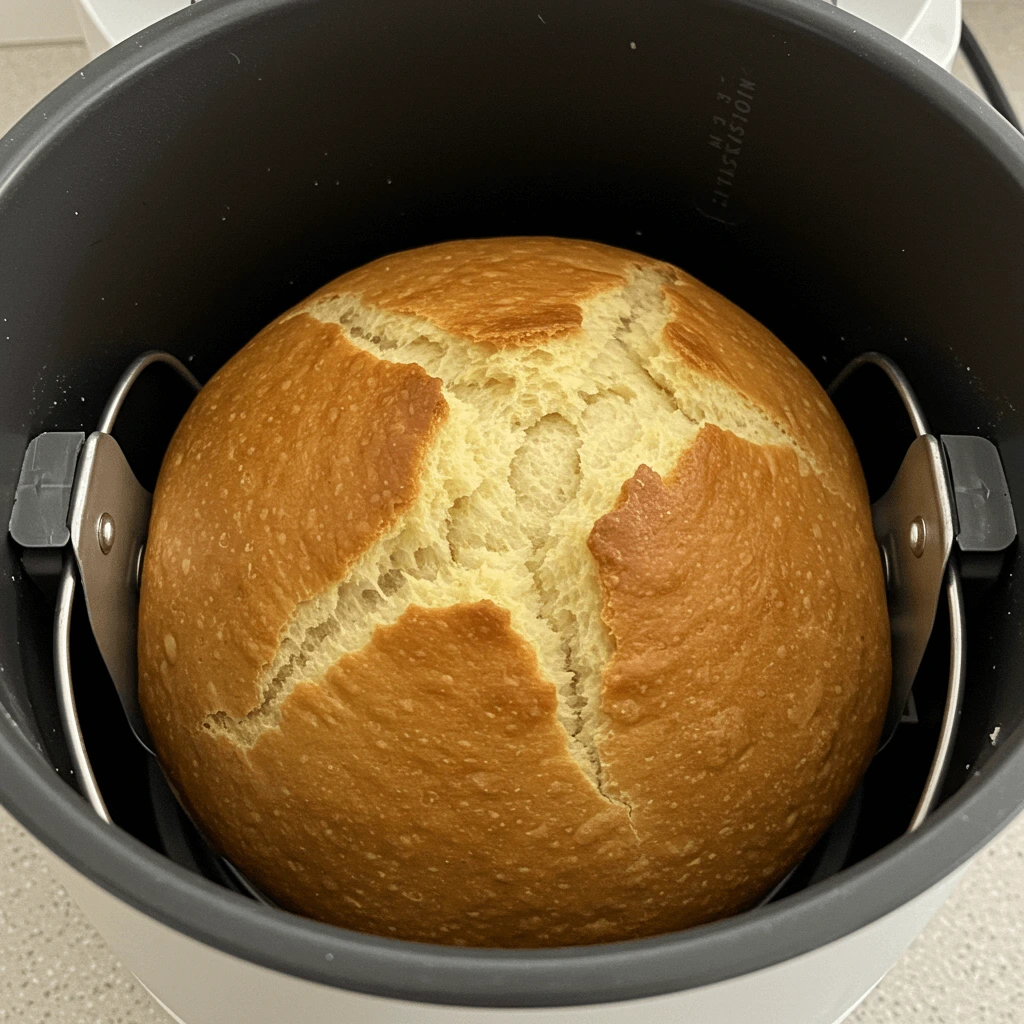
x=296 y=456
x=751 y=669
x=430 y=795
x=740 y=657
x=423 y=786
x=720 y=341
x=499 y=291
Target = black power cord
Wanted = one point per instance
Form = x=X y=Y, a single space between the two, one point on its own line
x=986 y=76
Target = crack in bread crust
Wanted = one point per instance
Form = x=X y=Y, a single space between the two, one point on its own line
x=537 y=447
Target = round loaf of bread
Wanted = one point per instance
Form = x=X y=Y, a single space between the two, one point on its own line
x=513 y=592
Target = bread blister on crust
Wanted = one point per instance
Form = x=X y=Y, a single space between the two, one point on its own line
x=501 y=714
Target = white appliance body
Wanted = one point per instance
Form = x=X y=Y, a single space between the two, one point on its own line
x=197 y=984
x=931 y=27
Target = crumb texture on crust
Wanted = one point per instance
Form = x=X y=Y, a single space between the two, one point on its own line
x=513 y=592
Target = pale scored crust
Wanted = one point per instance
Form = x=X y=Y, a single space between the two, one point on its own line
x=423 y=786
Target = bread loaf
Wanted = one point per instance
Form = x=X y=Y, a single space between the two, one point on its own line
x=513 y=592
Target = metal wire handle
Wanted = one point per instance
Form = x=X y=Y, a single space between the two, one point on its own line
x=954 y=596
x=66 y=595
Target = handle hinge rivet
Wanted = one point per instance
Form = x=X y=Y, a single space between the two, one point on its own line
x=916 y=537
x=105 y=532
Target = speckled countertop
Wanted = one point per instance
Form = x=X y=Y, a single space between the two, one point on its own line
x=966 y=968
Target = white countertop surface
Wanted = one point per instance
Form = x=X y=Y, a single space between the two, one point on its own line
x=966 y=968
